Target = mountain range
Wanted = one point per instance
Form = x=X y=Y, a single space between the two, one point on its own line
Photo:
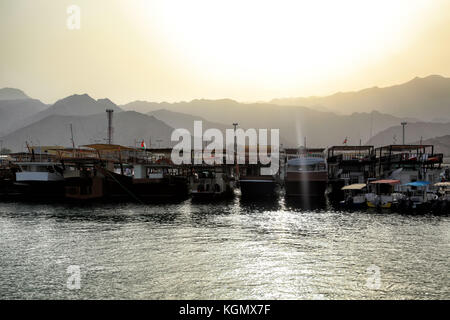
x=319 y=121
x=414 y=132
x=130 y=128
x=320 y=128
x=15 y=108
x=441 y=144
x=426 y=99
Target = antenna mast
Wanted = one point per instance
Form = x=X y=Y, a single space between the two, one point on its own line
x=110 y=127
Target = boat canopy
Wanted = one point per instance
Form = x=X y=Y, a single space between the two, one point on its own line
x=417 y=184
x=392 y=182
x=442 y=184
x=356 y=186
x=305 y=161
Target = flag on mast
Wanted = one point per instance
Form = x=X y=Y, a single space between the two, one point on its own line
x=143 y=146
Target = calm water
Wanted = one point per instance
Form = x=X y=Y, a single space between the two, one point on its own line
x=227 y=250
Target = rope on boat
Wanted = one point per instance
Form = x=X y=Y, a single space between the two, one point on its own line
x=121 y=185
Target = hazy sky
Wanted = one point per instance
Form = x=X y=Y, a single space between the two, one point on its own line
x=241 y=49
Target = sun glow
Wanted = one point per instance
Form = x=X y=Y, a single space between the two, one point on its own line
x=247 y=50
x=282 y=43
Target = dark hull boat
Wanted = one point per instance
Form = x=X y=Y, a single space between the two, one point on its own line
x=151 y=187
x=84 y=188
x=7 y=179
x=258 y=186
x=306 y=173
x=39 y=181
x=306 y=184
x=159 y=181
x=83 y=180
x=40 y=190
x=166 y=187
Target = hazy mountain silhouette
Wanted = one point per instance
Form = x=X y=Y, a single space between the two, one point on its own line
x=186 y=121
x=129 y=127
x=320 y=128
x=414 y=132
x=12 y=94
x=441 y=144
x=74 y=105
x=15 y=107
x=424 y=98
x=80 y=105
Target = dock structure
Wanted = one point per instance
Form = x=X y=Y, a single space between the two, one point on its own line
x=409 y=163
x=349 y=165
x=352 y=174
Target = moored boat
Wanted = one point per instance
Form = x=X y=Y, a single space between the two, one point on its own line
x=381 y=194
x=417 y=196
x=354 y=195
x=211 y=182
x=39 y=180
x=154 y=181
x=306 y=174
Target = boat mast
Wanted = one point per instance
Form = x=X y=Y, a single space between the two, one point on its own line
x=235 y=151
x=73 y=142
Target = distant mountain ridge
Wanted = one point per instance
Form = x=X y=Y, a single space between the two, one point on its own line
x=319 y=126
x=81 y=105
x=16 y=107
x=74 y=105
x=414 y=132
x=186 y=121
x=12 y=94
x=441 y=144
x=423 y=98
x=130 y=128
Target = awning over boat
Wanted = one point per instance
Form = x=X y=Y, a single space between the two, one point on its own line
x=356 y=186
x=442 y=184
x=385 y=182
x=417 y=184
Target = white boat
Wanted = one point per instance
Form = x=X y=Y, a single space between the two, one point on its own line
x=354 y=195
x=417 y=195
x=40 y=179
x=382 y=194
x=208 y=182
x=39 y=172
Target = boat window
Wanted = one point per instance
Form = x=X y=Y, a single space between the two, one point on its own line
x=207 y=175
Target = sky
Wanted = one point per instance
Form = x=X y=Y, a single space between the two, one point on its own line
x=247 y=50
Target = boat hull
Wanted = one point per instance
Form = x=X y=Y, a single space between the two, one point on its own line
x=306 y=184
x=257 y=187
x=84 y=188
x=40 y=190
x=173 y=187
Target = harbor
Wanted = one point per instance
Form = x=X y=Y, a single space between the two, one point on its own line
x=405 y=178
x=227 y=157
